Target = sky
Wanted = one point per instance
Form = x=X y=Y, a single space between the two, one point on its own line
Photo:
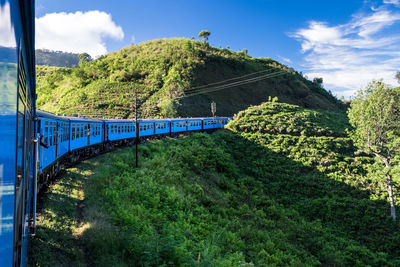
x=346 y=42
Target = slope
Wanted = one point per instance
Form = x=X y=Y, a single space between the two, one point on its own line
x=163 y=70
x=282 y=187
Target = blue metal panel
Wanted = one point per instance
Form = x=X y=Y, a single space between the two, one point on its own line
x=208 y=123
x=178 y=125
x=146 y=128
x=118 y=130
x=16 y=47
x=194 y=124
x=161 y=126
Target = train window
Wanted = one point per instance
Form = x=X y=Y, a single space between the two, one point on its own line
x=55 y=133
x=73 y=131
x=51 y=134
x=46 y=131
x=152 y=126
x=144 y=127
x=86 y=132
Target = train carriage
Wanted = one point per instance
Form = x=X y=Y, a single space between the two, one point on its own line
x=146 y=127
x=208 y=123
x=85 y=132
x=194 y=124
x=162 y=126
x=178 y=125
x=17 y=112
x=53 y=135
x=120 y=129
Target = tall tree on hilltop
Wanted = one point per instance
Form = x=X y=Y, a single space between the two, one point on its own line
x=318 y=81
x=375 y=116
x=84 y=57
x=397 y=76
x=204 y=34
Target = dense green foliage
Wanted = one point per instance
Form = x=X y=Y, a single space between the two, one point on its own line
x=375 y=116
x=56 y=58
x=317 y=139
x=163 y=70
x=223 y=200
x=283 y=187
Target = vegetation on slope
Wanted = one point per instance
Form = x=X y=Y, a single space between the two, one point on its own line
x=56 y=58
x=163 y=70
x=227 y=199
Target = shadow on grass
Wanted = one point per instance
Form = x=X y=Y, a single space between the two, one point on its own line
x=277 y=210
x=56 y=242
x=345 y=211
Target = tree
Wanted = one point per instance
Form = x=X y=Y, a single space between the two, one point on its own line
x=398 y=76
x=375 y=115
x=84 y=57
x=204 y=34
x=318 y=81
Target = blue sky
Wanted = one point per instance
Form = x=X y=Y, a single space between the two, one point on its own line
x=348 y=43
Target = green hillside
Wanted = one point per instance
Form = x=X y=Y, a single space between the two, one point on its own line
x=282 y=187
x=56 y=58
x=163 y=70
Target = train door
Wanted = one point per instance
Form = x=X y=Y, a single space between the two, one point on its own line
x=88 y=135
x=57 y=139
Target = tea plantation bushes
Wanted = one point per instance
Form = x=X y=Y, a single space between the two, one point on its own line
x=225 y=200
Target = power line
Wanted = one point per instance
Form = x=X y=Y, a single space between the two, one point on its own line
x=221 y=87
x=201 y=86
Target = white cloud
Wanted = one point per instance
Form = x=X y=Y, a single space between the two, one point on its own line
x=394 y=2
x=7 y=35
x=350 y=55
x=77 y=32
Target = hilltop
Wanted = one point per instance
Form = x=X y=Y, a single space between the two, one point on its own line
x=282 y=186
x=56 y=58
x=165 y=69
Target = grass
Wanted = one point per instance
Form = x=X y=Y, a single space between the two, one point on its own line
x=215 y=200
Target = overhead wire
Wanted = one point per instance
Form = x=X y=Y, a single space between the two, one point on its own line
x=246 y=75
x=238 y=83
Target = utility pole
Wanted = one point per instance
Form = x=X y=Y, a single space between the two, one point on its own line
x=137 y=128
x=213 y=108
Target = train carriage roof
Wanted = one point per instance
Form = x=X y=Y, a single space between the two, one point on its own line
x=48 y=115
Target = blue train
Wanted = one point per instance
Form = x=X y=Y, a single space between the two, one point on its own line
x=35 y=145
